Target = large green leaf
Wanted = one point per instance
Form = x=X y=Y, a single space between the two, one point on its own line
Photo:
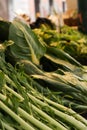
x=26 y=44
x=62 y=58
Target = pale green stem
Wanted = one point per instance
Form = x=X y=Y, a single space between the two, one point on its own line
x=51 y=121
x=14 y=93
x=16 y=117
x=69 y=119
x=43 y=114
x=67 y=110
x=37 y=123
x=7 y=126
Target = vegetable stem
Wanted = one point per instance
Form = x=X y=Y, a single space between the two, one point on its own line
x=16 y=117
x=14 y=93
x=67 y=118
x=34 y=121
x=7 y=126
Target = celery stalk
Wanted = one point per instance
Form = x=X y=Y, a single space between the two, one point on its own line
x=16 y=117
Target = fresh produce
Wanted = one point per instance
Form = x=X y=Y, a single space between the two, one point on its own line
x=23 y=107
x=69 y=40
x=42 y=87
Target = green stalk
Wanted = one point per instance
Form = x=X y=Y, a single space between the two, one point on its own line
x=14 y=93
x=52 y=122
x=64 y=115
x=16 y=117
x=10 y=81
x=7 y=126
x=27 y=116
x=33 y=120
x=69 y=119
x=67 y=110
x=62 y=108
x=58 y=106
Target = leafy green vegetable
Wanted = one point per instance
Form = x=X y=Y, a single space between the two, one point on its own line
x=69 y=40
x=32 y=97
x=26 y=46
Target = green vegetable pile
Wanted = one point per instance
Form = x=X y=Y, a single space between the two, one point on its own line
x=69 y=40
x=41 y=87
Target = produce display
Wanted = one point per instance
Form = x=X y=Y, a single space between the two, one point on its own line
x=43 y=87
x=69 y=40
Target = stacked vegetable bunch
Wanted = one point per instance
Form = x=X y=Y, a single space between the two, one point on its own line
x=37 y=81
x=69 y=40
